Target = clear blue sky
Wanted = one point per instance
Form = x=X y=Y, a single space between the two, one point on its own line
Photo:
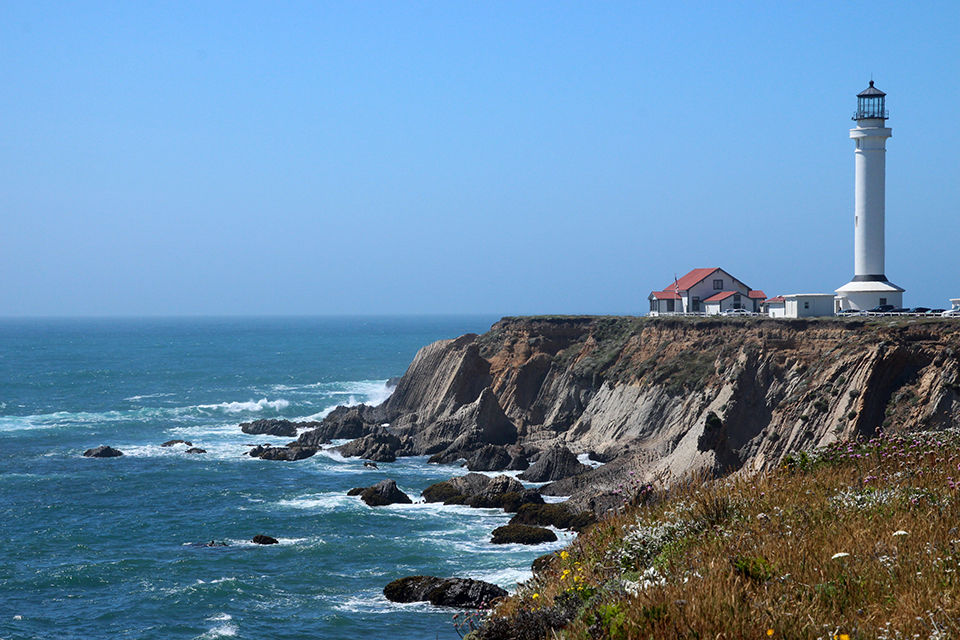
x=220 y=158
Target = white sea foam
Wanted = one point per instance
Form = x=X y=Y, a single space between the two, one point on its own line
x=584 y=458
x=377 y=603
x=319 y=502
x=506 y=577
x=349 y=394
x=225 y=628
x=147 y=396
x=250 y=405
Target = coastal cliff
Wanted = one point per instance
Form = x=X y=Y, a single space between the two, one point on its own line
x=662 y=397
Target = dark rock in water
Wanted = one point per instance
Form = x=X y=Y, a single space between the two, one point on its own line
x=102 y=452
x=170 y=443
x=195 y=450
x=343 y=423
x=291 y=453
x=555 y=464
x=522 y=534
x=356 y=491
x=384 y=493
x=440 y=492
x=377 y=447
x=490 y=458
x=270 y=427
x=512 y=501
x=556 y=515
x=262 y=539
x=482 y=492
x=444 y=592
x=371 y=465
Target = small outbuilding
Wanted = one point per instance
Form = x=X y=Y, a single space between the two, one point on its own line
x=776 y=307
x=808 y=305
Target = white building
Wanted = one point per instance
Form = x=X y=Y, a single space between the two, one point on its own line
x=869 y=286
x=705 y=291
x=776 y=307
x=808 y=305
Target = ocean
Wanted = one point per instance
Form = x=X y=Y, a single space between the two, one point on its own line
x=117 y=548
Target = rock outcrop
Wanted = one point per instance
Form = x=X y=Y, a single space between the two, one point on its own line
x=102 y=451
x=382 y=494
x=556 y=463
x=289 y=453
x=262 y=539
x=376 y=447
x=482 y=492
x=444 y=592
x=271 y=427
x=522 y=534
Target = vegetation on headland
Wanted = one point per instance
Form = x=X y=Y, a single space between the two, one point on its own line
x=856 y=540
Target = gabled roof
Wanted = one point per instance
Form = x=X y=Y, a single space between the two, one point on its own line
x=691 y=279
x=776 y=300
x=723 y=295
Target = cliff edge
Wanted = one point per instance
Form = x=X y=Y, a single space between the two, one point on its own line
x=662 y=397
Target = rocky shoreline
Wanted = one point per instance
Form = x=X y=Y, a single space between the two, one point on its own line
x=648 y=398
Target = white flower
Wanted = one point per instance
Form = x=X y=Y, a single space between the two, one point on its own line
x=837 y=556
x=900 y=533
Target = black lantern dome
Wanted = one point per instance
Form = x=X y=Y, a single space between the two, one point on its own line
x=870 y=104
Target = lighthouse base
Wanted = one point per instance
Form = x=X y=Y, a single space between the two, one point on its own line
x=861 y=294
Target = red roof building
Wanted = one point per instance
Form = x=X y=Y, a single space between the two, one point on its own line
x=703 y=292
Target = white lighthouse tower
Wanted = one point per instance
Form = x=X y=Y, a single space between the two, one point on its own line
x=869 y=287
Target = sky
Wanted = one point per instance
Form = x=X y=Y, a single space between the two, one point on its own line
x=506 y=158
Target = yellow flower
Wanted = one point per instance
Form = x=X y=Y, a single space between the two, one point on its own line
x=769 y=632
x=535 y=596
x=564 y=555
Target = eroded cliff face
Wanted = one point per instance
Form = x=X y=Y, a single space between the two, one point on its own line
x=675 y=395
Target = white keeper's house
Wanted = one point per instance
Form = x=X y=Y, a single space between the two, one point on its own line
x=705 y=292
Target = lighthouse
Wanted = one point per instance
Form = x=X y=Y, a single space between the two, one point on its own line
x=869 y=287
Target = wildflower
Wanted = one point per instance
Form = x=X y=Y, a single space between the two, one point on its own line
x=564 y=555
x=769 y=632
x=535 y=596
x=837 y=556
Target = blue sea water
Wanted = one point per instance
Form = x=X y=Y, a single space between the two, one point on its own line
x=114 y=548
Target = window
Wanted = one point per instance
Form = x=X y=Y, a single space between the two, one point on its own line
x=883 y=301
x=670 y=306
x=718 y=285
x=695 y=305
x=806 y=305
x=654 y=305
